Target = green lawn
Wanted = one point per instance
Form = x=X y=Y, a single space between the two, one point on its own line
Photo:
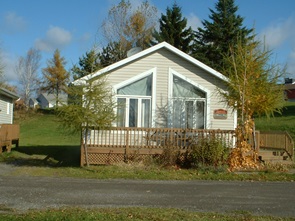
x=44 y=130
x=279 y=122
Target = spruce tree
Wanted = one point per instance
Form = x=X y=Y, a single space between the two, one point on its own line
x=173 y=29
x=224 y=30
x=87 y=65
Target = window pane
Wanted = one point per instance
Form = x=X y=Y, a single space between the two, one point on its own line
x=133 y=112
x=146 y=112
x=200 y=117
x=182 y=88
x=189 y=114
x=141 y=87
x=121 y=109
x=178 y=114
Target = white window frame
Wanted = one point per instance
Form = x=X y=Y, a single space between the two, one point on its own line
x=195 y=84
x=8 y=108
x=129 y=81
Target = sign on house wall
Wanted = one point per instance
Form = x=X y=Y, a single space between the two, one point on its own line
x=220 y=114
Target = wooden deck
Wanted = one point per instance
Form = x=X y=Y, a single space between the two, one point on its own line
x=9 y=135
x=276 y=147
x=121 y=144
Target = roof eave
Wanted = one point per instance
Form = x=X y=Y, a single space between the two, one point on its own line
x=85 y=79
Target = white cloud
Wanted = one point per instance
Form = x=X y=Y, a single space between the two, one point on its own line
x=279 y=32
x=85 y=37
x=9 y=67
x=291 y=63
x=56 y=37
x=13 y=23
x=194 y=21
x=280 y=36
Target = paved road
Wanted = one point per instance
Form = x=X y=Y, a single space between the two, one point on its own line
x=261 y=198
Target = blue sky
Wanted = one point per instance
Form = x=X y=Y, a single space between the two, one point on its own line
x=73 y=26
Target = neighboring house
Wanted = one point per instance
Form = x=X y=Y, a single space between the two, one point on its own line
x=33 y=103
x=290 y=89
x=164 y=81
x=46 y=100
x=7 y=99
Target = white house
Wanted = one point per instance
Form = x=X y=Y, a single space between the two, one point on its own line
x=163 y=80
x=46 y=100
x=7 y=99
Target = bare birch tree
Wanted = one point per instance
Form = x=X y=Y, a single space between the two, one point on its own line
x=126 y=27
x=27 y=70
x=1 y=70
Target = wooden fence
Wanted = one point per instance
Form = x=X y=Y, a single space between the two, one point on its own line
x=9 y=134
x=279 y=140
x=118 y=144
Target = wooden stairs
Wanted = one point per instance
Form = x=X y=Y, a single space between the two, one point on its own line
x=274 y=156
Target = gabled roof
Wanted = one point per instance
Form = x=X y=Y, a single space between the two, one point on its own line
x=51 y=98
x=143 y=53
x=8 y=93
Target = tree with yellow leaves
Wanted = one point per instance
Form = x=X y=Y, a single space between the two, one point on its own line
x=253 y=89
x=56 y=78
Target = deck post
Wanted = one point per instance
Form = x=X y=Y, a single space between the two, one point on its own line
x=126 y=146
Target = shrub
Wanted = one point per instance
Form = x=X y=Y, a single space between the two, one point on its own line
x=168 y=158
x=209 y=151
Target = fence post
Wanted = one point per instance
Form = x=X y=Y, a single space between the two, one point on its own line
x=127 y=146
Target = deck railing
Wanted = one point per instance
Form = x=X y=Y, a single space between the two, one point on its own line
x=116 y=144
x=277 y=140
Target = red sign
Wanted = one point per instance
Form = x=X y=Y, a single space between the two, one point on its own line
x=220 y=114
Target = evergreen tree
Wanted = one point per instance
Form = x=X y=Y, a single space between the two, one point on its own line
x=112 y=53
x=55 y=76
x=173 y=29
x=224 y=30
x=87 y=64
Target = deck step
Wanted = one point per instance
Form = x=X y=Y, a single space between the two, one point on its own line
x=274 y=156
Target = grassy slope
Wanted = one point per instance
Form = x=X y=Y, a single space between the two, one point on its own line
x=44 y=141
x=44 y=130
x=284 y=122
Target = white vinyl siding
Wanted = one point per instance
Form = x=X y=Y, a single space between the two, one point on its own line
x=162 y=62
x=6 y=113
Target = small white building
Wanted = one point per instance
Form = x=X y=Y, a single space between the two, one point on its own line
x=7 y=99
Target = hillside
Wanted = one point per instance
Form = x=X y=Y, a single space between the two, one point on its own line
x=44 y=129
x=283 y=122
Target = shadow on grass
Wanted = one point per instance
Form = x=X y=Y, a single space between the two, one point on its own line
x=52 y=156
x=287 y=111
